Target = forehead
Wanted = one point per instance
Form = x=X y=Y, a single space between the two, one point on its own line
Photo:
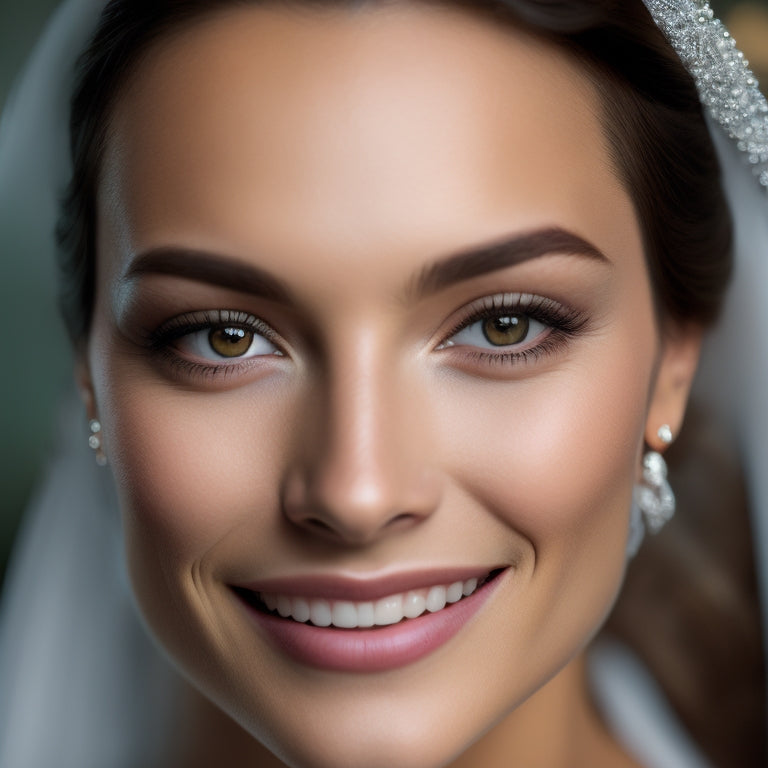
x=271 y=127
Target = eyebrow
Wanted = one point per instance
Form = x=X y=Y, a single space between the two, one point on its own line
x=209 y=268
x=516 y=250
x=220 y=270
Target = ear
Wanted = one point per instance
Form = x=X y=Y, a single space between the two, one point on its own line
x=85 y=386
x=681 y=347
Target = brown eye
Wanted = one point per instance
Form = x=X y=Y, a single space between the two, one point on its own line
x=230 y=342
x=506 y=330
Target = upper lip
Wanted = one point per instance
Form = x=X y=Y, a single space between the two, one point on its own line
x=338 y=587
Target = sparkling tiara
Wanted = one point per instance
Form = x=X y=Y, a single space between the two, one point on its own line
x=726 y=85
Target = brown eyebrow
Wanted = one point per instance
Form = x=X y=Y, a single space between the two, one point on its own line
x=230 y=273
x=507 y=253
x=209 y=268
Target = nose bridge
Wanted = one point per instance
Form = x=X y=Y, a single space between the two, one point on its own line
x=361 y=476
x=361 y=424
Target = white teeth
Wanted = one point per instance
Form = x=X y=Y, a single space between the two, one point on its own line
x=414 y=604
x=366 y=615
x=455 y=592
x=344 y=615
x=320 y=613
x=300 y=610
x=388 y=610
x=436 y=599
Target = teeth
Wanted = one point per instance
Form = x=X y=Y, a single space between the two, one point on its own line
x=300 y=609
x=284 y=606
x=454 y=593
x=344 y=615
x=320 y=613
x=381 y=613
x=436 y=599
x=388 y=610
x=414 y=604
x=366 y=615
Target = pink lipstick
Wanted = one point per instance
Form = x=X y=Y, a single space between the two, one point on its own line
x=354 y=625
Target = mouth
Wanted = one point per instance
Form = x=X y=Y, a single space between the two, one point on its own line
x=322 y=629
x=365 y=614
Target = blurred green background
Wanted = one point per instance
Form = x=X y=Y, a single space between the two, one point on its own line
x=33 y=348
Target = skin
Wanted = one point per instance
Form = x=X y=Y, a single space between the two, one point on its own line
x=343 y=153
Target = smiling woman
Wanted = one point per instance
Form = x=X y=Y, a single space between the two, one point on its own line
x=378 y=307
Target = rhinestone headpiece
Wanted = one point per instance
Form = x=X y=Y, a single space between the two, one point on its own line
x=726 y=85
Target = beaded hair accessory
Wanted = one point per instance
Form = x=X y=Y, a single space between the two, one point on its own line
x=726 y=85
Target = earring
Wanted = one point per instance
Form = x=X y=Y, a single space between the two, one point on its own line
x=653 y=495
x=94 y=441
x=653 y=502
x=665 y=434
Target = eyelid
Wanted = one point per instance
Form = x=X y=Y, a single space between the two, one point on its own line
x=538 y=307
x=190 y=322
x=564 y=322
x=160 y=342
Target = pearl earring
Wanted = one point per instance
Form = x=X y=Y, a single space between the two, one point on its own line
x=94 y=441
x=665 y=434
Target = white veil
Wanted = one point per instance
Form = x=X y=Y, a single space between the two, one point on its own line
x=81 y=686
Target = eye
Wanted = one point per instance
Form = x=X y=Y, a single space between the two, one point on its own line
x=215 y=338
x=225 y=343
x=512 y=330
x=500 y=331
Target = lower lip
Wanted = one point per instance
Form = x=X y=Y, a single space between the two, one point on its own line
x=370 y=650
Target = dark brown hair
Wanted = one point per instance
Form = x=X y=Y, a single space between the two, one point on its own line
x=662 y=153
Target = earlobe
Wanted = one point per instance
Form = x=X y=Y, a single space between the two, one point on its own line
x=85 y=386
x=84 y=382
x=677 y=367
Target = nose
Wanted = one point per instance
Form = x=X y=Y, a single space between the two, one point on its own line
x=365 y=468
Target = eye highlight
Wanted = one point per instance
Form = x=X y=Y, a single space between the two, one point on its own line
x=513 y=328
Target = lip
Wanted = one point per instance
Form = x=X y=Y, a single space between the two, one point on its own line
x=357 y=589
x=368 y=650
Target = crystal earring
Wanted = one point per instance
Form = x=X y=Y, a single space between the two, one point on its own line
x=94 y=441
x=653 y=502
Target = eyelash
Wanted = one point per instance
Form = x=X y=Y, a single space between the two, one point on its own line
x=162 y=339
x=563 y=322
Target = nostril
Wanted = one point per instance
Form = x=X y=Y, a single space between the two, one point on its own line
x=402 y=519
x=318 y=525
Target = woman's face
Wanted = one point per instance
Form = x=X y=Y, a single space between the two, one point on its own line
x=372 y=318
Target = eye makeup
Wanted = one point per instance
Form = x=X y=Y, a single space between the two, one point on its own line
x=547 y=326
x=534 y=326
x=182 y=341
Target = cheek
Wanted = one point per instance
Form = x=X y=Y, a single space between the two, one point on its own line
x=554 y=458
x=192 y=470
